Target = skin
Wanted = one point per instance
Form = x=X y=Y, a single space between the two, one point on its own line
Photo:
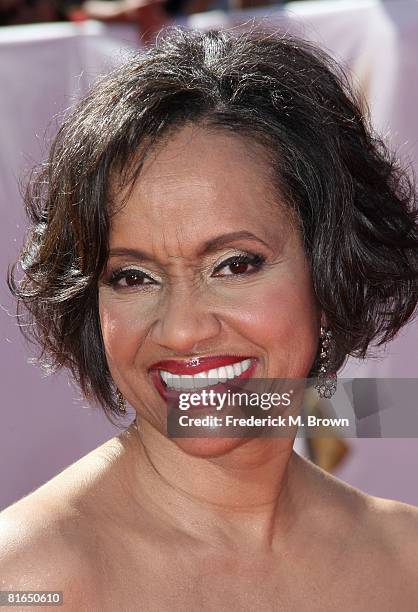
x=240 y=524
x=192 y=308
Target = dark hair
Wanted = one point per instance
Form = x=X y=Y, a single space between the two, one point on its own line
x=356 y=207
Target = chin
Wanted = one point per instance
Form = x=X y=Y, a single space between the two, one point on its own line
x=208 y=447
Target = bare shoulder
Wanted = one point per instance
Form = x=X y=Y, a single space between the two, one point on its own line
x=390 y=536
x=40 y=551
x=46 y=539
x=397 y=523
x=378 y=536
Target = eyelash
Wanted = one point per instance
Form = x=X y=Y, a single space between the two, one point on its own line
x=255 y=260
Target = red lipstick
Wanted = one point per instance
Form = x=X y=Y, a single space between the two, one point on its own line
x=194 y=365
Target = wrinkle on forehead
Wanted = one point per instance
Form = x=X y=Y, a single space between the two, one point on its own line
x=199 y=178
x=174 y=249
x=180 y=145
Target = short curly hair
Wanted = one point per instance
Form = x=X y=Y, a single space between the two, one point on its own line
x=355 y=205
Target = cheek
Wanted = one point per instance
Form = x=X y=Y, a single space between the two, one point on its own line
x=283 y=319
x=122 y=331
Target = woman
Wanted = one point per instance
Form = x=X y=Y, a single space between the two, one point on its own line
x=218 y=202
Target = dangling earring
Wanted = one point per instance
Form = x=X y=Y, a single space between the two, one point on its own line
x=327 y=381
x=121 y=402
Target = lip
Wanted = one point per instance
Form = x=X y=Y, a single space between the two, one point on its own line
x=194 y=365
x=172 y=394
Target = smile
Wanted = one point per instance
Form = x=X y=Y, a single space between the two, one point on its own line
x=205 y=379
x=225 y=368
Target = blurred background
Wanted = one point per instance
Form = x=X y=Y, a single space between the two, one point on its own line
x=51 y=51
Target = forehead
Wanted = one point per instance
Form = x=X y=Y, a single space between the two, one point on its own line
x=198 y=181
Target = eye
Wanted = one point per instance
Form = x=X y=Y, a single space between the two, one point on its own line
x=240 y=264
x=125 y=278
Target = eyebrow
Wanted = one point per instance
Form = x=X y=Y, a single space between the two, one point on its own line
x=211 y=245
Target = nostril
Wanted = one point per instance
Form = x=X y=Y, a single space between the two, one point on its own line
x=184 y=332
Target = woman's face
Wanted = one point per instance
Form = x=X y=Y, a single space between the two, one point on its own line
x=204 y=262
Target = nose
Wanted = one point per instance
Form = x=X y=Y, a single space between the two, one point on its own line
x=185 y=323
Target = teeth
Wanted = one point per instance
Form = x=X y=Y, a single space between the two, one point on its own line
x=187 y=382
x=176 y=383
x=246 y=364
x=200 y=380
x=237 y=367
x=229 y=371
x=222 y=374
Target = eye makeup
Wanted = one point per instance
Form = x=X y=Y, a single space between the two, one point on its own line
x=238 y=264
x=134 y=277
x=234 y=265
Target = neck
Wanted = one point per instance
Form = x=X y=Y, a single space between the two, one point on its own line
x=246 y=496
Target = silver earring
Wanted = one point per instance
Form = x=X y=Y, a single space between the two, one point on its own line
x=121 y=402
x=327 y=381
